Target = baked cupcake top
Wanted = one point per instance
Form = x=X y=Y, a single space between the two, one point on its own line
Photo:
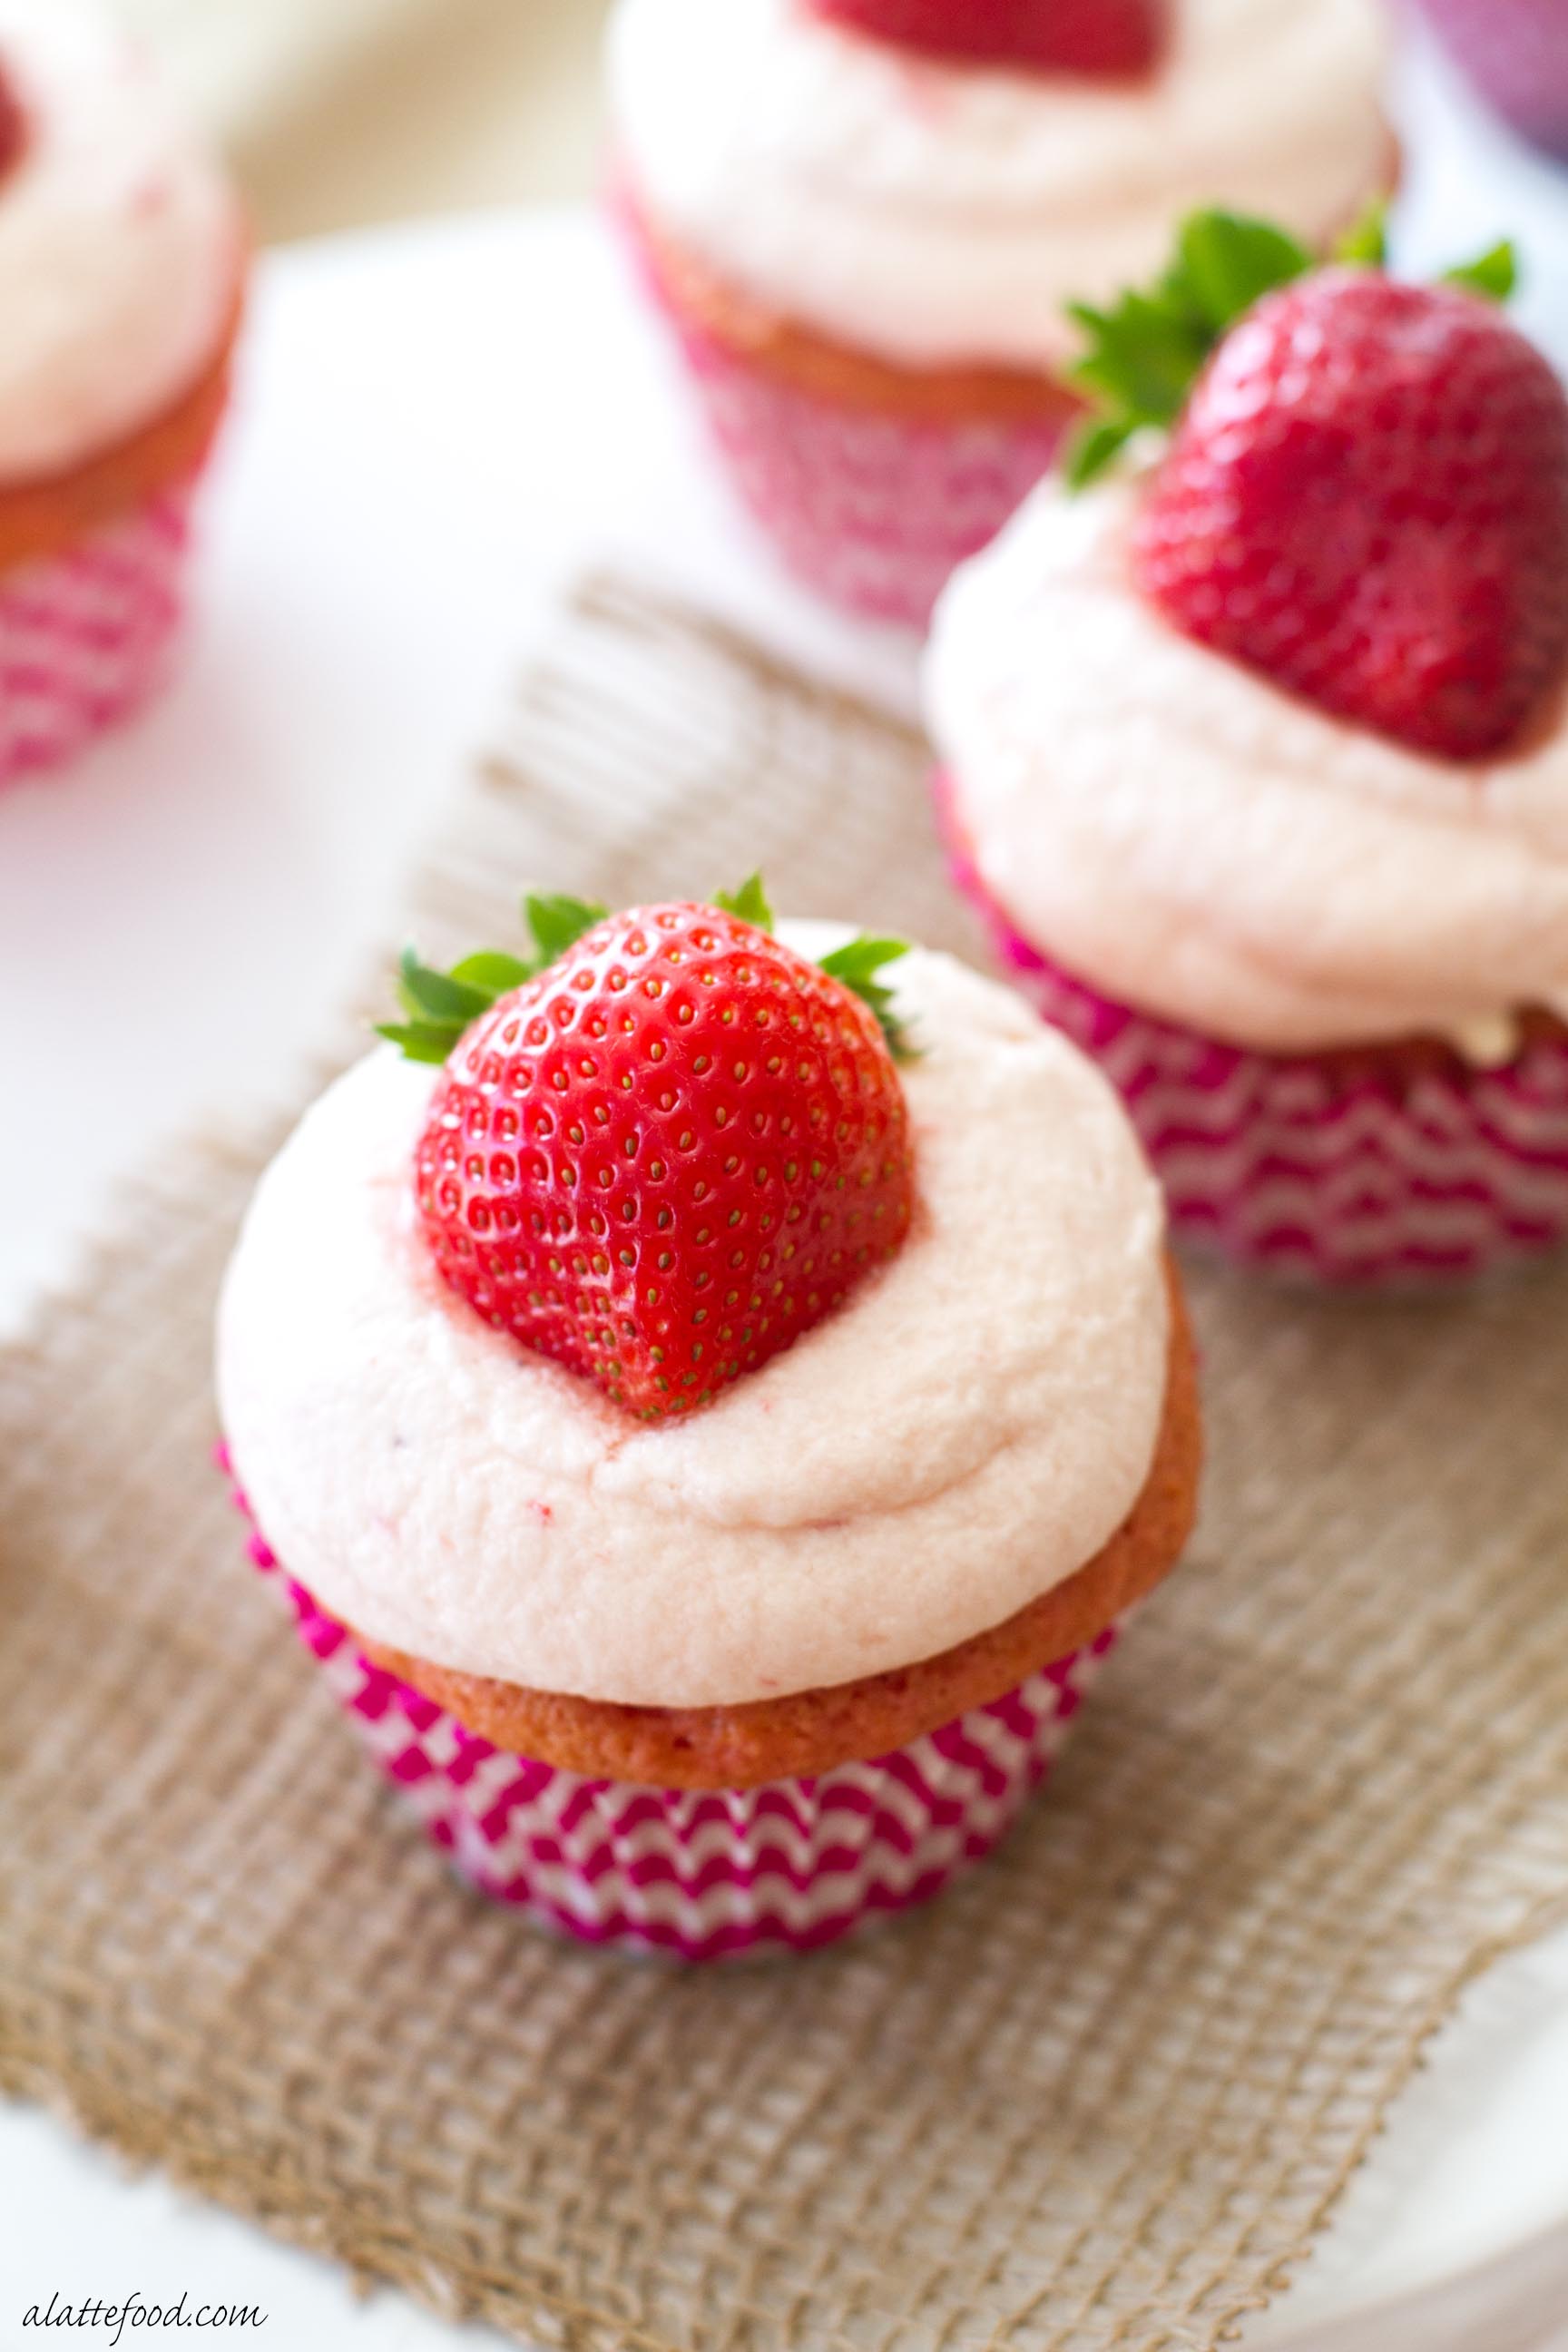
x=939 y=212
x=120 y=244
x=962 y=1434
x=1293 y=812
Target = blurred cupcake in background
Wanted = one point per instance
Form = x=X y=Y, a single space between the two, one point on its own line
x=1516 y=53
x=863 y=217
x=122 y=269
x=1256 y=755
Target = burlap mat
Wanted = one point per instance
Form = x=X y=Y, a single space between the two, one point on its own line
x=1103 y=2095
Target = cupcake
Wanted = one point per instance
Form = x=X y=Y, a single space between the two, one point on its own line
x=862 y=219
x=712 y=1398
x=1255 y=757
x=1516 y=53
x=122 y=268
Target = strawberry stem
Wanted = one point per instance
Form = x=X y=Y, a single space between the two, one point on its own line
x=1493 y=274
x=1142 y=356
x=857 y=965
x=750 y=903
x=441 y=1006
x=1364 y=244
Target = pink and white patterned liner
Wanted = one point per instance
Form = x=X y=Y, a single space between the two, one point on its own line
x=85 y=635
x=702 y=1875
x=873 y=510
x=1343 y=1169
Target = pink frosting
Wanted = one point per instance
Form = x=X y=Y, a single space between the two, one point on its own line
x=964 y=1433
x=1195 y=842
x=931 y=212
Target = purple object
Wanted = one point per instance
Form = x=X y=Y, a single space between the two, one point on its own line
x=1516 y=53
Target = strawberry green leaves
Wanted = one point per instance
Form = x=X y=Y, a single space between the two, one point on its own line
x=1364 y=244
x=1142 y=356
x=441 y=1006
x=750 y=903
x=1094 y=446
x=491 y=973
x=858 y=965
x=1224 y=262
x=558 y=923
x=1493 y=274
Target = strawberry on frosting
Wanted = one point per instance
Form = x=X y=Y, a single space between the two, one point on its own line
x=1111 y=38
x=1264 y=733
x=665 y=1147
x=971 y=1426
x=1365 y=492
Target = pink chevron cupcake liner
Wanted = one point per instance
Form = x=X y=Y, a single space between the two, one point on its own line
x=87 y=635
x=873 y=510
x=1345 y=1168
x=702 y=1875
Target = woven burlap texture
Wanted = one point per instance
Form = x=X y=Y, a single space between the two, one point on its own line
x=1101 y=2094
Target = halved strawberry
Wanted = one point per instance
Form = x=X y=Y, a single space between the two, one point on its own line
x=1366 y=494
x=667 y=1148
x=1110 y=38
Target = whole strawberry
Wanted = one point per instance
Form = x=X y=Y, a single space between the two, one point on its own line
x=1365 y=497
x=666 y=1154
x=1115 y=38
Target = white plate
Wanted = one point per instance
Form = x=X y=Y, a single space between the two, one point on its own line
x=438 y=424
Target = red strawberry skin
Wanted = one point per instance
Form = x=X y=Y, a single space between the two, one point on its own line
x=1116 y=40
x=1367 y=500
x=12 y=125
x=667 y=1157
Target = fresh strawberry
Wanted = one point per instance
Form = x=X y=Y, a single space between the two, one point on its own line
x=1516 y=53
x=12 y=124
x=1115 y=40
x=1367 y=499
x=1365 y=495
x=666 y=1154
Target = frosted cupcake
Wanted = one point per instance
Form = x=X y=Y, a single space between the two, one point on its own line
x=122 y=268
x=710 y=1458
x=1255 y=758
x=863 y=218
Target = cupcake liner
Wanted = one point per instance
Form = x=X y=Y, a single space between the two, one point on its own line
x=85 y=635
x=702 y=1875
x=873 y=510
x=1345 y=1168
